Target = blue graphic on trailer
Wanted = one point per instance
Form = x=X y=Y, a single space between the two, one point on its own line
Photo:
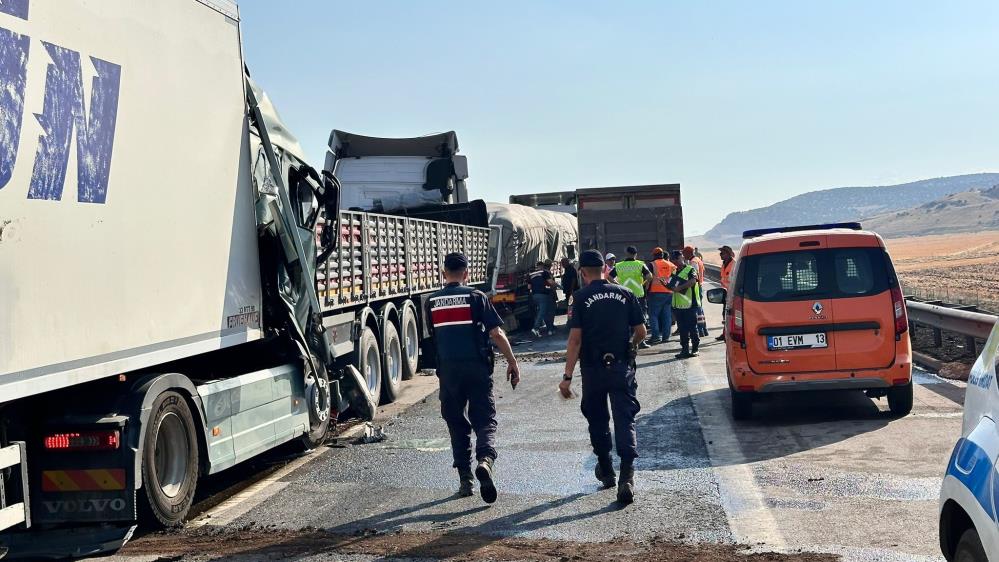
x=13 y=68
x=16 y=8
x=63 y=111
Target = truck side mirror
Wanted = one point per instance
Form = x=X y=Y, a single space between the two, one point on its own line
x=331 y=196
x=717 y=296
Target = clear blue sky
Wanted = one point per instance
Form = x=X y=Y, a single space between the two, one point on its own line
x=743 y=103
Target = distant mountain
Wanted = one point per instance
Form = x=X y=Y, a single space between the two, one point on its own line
x=968 y=211
x=846 y=204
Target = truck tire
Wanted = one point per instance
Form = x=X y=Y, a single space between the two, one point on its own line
x=319 y=401
x=969 y=548
x=742 y=404
x=392 y=368
x=169 y=461
x=410 y=343
x=369 y=363
x=900 y=400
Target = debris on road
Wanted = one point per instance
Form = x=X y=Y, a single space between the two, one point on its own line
x=256 y=543
x=371 y=434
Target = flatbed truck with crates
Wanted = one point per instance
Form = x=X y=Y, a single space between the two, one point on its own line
x=179 y=290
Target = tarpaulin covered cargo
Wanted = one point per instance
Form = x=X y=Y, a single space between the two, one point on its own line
x=530 y=235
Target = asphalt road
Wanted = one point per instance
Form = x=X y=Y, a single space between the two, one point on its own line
x=825 y=473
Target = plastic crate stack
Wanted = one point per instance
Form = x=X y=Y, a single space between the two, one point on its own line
x=350 y=276
x=424 y=266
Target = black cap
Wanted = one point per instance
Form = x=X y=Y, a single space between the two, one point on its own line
x=591 y=258
x=676 y=254
x=631 y=250
x=455 y=262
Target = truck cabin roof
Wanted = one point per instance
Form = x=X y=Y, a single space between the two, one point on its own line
x=350 y=145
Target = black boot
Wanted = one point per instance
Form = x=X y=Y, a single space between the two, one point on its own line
x=604 y=471
x=626 y=485
x=484 y=472
x=467 y=480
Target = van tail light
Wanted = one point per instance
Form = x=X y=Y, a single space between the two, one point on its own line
x=83 y=441
x=898 y=306
x=735 y=323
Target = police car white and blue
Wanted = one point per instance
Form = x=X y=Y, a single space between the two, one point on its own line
x=969 y=497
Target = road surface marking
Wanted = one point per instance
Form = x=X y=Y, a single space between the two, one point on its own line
x=749 y=518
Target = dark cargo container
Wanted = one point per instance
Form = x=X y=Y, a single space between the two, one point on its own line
x=644 y=216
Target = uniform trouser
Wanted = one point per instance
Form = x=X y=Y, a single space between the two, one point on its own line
x=616 y=383
x=544 y=306
x=468 y=386
x=686 y=322
x=660 y=314
x=702 y=327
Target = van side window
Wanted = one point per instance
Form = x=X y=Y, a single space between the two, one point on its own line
x=853 y=272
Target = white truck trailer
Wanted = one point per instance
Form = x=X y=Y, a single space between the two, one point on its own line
x=179 y=291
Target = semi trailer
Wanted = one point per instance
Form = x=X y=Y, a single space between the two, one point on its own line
x=179 y=289
x=644 y=216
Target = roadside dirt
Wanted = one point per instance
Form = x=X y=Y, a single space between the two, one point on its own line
x=269 y=544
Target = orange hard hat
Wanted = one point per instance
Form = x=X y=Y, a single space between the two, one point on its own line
x=657 y=251
x=688 y=251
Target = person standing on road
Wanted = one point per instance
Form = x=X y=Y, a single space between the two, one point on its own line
x=542 y=296
x=462 y=322
x=634 y=275
x=660 y=297
x=728 y=263
x=686 y=299
x=694 y=259
x=610 y=260
x=604 y=332
x=570 y=279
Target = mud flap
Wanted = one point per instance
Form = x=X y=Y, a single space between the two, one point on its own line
x=361 y=402
x=82 y=541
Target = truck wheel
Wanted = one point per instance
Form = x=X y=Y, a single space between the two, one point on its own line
x=900 y=400
x=369 y=363
x=969 y=548
x=742 y=404
x=410 y=344
x=317 y=396
x=169 y=461
x=393 y=368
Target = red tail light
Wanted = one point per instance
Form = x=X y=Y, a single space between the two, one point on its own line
x=83 y=441
x=735 y=323
x=898 y=306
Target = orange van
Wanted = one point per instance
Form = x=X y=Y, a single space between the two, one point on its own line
x=816 y=308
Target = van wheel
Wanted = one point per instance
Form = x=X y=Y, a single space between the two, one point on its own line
x=742 y=404
x=969 y=548
x=410 y=343
x=393 y=367
x=900 y=400
x=169 y=461
x=369 y=363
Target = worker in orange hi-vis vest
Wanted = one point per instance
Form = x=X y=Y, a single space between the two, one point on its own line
x=728 y=264
x=660 y=297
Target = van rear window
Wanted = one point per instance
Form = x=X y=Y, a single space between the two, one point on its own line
x=815 y=274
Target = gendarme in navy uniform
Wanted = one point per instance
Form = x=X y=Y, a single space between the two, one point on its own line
x=463 y=322
x=606 y=327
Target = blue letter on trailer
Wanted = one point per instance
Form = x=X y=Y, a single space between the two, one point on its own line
x=13 y=66
x=16 y=8
x=63 y=111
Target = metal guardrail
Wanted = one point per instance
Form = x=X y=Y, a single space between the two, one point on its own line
x=965 y=322
x=712 y=272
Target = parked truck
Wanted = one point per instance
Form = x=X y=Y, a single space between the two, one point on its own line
x=179 y=289
x=523 y=236
x=644 y=216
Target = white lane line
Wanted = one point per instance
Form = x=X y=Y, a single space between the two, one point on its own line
x=749 y=518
